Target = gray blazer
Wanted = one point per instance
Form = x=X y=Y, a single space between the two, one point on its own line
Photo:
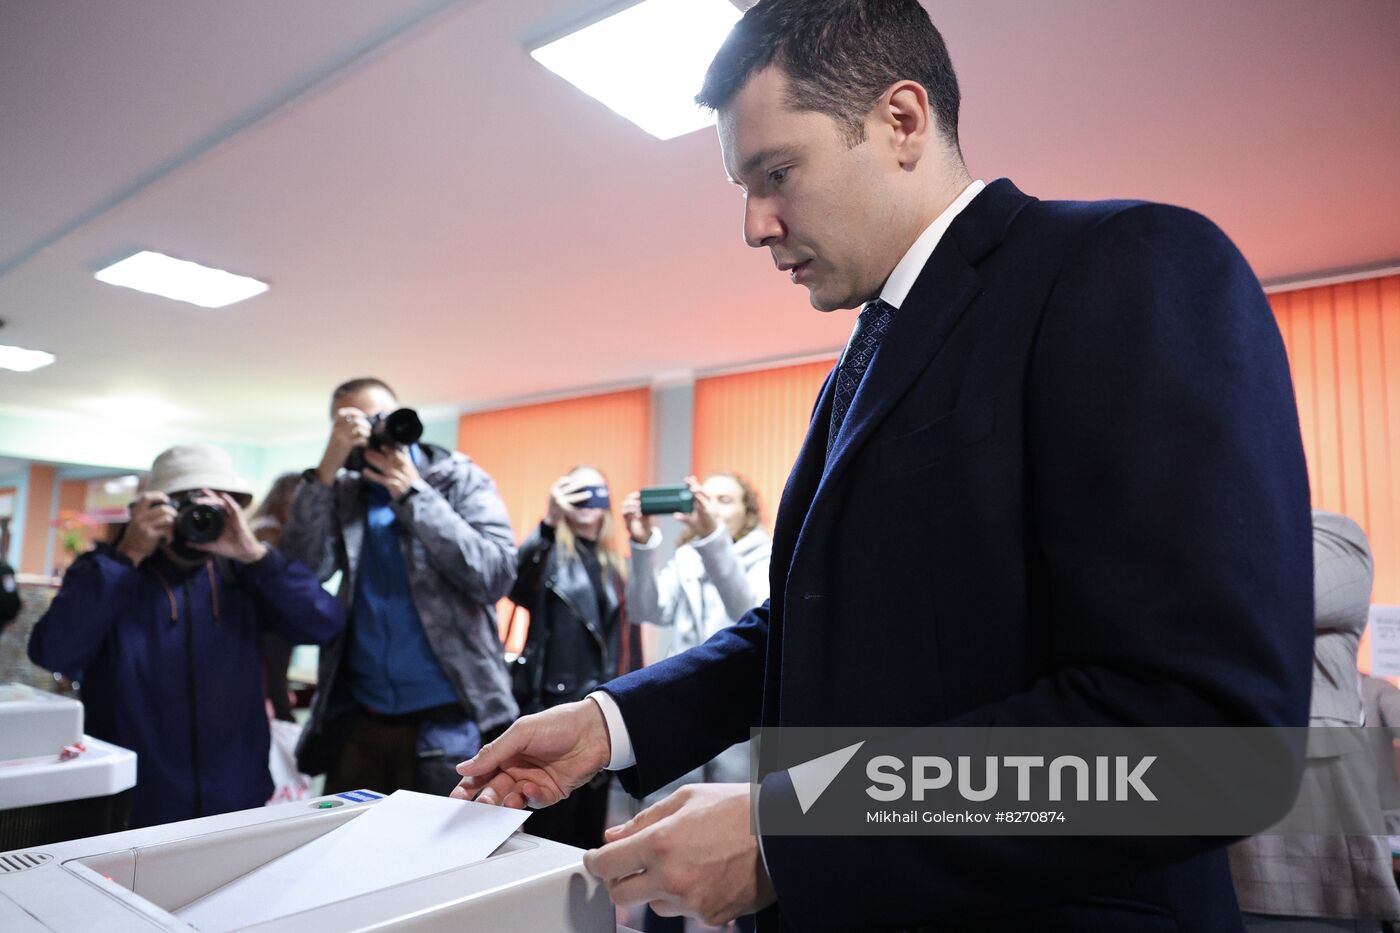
x=1334 y=876
x=460 y=553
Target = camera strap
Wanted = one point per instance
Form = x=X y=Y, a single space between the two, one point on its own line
x=175 y=606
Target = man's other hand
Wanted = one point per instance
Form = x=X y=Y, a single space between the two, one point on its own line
x=152 y=524
x=350 y=428
x=693 y=854
x=237 y=541
x=392 y=467
x=540 y=759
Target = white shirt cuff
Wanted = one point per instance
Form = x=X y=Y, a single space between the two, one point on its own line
x=623 y=756
x=756 y=790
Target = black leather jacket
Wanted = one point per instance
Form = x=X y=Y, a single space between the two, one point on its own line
x=570 y=649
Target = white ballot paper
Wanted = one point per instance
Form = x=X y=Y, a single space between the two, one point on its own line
x=404 y=837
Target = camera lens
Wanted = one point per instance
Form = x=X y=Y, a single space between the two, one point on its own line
x=199 y=523
x=403 y=427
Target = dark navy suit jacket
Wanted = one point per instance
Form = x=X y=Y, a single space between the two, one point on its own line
x=1070 y=491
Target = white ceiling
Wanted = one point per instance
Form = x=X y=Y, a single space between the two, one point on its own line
x=433 y=207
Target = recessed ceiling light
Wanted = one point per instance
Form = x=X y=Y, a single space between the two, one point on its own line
x=181 y=280
x=21 y=360
x=647 y=62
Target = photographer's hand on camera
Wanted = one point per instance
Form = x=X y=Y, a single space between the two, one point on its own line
x=391 y=466
x=237 y=541
x=350 y=429
x=702 y=519
x=639 y=526
x=152 y=524
x=564 y=495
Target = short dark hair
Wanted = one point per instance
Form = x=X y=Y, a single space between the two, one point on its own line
x=839 y=57
x=359 y=384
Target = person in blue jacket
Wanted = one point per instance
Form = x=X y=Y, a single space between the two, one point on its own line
x=163 y=635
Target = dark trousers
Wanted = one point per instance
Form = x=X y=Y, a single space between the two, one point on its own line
x=381 y=754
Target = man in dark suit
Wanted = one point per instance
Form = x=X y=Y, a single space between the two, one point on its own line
x=1055 y=480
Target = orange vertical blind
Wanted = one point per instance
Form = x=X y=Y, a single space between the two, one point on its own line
x=753 y=423
x=1344 y=349
x=528 y=447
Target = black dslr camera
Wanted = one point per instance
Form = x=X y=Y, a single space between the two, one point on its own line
x=396 y=428
x=196 y=522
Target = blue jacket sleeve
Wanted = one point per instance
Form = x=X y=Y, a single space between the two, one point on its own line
x=716 y=686
x=291 y=601
x=96 y=590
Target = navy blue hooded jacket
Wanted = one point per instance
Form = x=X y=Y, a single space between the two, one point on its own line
x=170 y=669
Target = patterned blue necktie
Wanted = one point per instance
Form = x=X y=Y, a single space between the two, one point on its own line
x=870 y=329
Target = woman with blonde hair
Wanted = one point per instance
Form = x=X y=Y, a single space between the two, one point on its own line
x=572 y=580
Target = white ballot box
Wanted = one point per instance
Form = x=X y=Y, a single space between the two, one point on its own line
x=55 y=782
x=307 y=867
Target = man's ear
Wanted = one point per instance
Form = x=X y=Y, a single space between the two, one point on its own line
x=903 y=113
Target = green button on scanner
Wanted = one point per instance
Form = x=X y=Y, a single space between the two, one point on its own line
x=324 y=805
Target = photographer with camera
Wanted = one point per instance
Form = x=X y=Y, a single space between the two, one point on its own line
x=162 y=630
x=424 y=547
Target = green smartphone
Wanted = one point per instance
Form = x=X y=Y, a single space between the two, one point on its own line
x=664 y=500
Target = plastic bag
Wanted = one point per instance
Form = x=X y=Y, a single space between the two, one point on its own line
x=288 y=784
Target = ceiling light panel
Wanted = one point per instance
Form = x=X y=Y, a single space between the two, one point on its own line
x=647 y=62
x=21 y=360
x=181 y=280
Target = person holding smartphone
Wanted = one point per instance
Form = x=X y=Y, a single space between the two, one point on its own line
x=571 y=578
x=718 y=573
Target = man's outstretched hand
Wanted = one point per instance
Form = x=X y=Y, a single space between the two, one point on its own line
x=540 y=759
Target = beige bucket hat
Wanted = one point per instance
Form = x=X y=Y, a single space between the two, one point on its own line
x=197 y=466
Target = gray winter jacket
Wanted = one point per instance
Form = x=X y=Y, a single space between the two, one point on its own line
x=460 y=553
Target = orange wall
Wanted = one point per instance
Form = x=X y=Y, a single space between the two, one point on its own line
x=753 y=424
x=1344 y=348
x=36 y=518
x=528 y=447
